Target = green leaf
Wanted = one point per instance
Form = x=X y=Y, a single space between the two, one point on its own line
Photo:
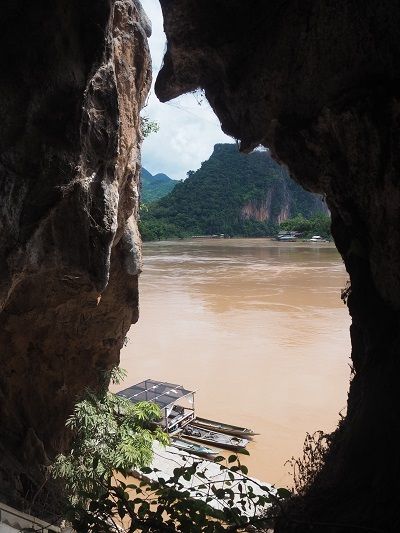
x=220 y=493
x=284 y=493
x=232 y=458
x=243 y=451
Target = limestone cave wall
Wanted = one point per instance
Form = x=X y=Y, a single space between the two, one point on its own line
x=74 y=76
x=318 y=83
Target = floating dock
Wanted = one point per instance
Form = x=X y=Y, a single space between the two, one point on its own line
x=179 y=417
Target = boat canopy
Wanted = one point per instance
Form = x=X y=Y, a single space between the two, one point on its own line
x=162 y=393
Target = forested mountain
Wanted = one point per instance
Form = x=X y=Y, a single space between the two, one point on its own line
x=231 y=193
x=155 y=187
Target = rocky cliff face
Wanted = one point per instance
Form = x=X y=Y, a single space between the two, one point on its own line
x=262 y=210
x=74 y=77
x=318 y=83
x=279 y=204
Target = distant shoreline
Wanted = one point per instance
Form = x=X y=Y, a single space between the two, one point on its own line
x=272 y=240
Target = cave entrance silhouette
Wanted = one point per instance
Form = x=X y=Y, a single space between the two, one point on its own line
x=295 y=77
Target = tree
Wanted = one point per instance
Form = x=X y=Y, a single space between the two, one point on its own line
x=319 y=224
x=298 y=223
x=108 y=433
x=148 y=126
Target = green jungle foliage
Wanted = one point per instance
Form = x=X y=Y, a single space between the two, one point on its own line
x=319 y=224
x=111 y=436
x=148 y=126
x=232 y=193
x=154 y=187
x=109 y=432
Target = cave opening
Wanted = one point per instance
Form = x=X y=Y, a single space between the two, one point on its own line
x=315 y=82
x=249 y=312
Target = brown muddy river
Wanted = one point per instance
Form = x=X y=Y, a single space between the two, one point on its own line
x=255 y=326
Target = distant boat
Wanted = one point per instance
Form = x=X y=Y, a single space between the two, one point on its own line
x=224 y=428
x=316 y=238
x=286 y=237
x=197 y=449
x=221 y=440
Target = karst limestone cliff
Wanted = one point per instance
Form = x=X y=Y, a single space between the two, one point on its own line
x=318 y=83
x=75 y=75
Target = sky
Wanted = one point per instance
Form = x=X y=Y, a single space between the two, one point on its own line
x=188 y=126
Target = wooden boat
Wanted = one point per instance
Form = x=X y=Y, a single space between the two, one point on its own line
x=221 y=440
x=197 y=449
x=212 y=425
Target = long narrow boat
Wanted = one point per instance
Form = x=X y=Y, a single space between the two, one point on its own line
x=212 y=425
x=197 y=449
x=221 y=440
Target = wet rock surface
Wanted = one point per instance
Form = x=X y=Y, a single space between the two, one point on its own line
x=75 y=75
x=318 y=83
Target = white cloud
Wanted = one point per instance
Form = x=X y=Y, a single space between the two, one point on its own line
x=188 y=131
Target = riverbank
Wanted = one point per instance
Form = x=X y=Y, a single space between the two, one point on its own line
x=247 y=240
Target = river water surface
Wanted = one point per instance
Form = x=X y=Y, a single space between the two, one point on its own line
x=257 y=327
